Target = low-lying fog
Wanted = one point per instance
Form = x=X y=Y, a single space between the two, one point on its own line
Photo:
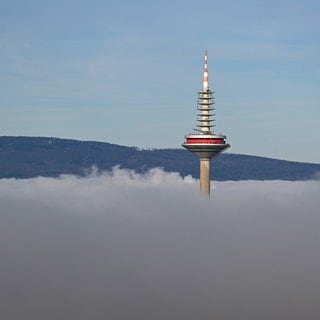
x=123 y=246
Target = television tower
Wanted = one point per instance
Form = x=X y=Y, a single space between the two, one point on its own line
x=205 y=144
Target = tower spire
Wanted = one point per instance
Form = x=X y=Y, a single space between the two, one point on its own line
x=205 y=85
x=205 y=102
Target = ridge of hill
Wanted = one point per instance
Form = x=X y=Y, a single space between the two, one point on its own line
x=27 y=157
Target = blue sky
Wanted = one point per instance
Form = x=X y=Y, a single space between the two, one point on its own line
x=127 y=72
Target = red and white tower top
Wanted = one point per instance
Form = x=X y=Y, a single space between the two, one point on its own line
x=205 y=142
x=205 y=86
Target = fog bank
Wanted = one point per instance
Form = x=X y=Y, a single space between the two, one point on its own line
x=125 y=246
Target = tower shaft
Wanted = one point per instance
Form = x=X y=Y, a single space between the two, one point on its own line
x=205 y=176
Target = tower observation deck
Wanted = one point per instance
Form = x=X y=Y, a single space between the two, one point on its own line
x=205 y=144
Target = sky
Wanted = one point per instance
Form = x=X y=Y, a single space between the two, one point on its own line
x=126 y=246
x=128 y=72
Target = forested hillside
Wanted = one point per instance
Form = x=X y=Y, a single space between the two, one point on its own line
x=25 y=157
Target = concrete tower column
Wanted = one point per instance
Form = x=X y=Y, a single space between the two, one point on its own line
x=205 y=176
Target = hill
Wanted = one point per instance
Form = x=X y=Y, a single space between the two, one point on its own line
x=26 y=157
